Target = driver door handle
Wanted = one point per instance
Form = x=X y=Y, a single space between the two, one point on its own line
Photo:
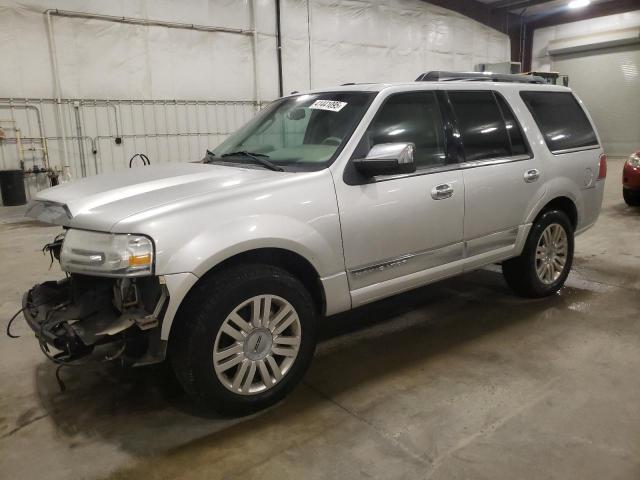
x=442 y=191
x=532 y=175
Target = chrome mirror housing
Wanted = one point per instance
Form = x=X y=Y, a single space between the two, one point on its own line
x=387 y=159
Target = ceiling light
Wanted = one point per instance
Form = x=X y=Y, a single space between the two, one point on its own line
x=578 y=3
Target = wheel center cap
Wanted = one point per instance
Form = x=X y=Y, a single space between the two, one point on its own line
x=258 y=344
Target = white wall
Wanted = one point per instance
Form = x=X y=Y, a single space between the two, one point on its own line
x=541 y=61
x=345 y=41
x=603 y=68
x=351 y=40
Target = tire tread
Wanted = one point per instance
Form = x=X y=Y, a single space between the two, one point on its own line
x=193 y=323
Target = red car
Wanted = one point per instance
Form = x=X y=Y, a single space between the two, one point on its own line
x=631 y=180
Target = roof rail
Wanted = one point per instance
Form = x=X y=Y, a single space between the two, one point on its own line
x=440 y=76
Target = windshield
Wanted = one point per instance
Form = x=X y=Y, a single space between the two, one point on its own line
x=304 y=132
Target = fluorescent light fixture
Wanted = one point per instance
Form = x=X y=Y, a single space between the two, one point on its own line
x=578 y=3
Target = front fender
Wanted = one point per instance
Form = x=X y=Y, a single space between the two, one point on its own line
x=213 y=245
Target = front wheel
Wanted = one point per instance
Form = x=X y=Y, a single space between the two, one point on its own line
x=244 y=339
x=546 y=259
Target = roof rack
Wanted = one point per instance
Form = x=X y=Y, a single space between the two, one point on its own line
x=440 y=76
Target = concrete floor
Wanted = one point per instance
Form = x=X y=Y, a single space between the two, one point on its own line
x=456 y=380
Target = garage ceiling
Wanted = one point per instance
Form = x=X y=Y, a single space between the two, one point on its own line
x=533 y=8
x=520 y=18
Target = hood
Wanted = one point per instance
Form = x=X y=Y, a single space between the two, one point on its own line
x=99 y=202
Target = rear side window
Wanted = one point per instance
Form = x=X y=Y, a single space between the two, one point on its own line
x=481 y=125
x=561 y=120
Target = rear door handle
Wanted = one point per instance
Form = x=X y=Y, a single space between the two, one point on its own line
x=440 y=192
x=532 y=175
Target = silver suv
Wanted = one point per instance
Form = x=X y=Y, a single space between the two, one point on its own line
x=325 y=201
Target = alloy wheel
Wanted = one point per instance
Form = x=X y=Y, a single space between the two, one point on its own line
x=551 y=253
x=257 y=344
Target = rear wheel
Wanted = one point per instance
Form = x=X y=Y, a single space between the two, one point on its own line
x=244 y=339
x=546 y=259
x=631 y=198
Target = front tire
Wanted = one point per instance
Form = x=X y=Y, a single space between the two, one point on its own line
x=546 y=259
x=244 y=338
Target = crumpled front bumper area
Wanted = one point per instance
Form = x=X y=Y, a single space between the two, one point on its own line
x=82 y=316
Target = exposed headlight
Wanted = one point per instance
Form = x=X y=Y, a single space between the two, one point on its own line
x=634 y=160
x=106 y=254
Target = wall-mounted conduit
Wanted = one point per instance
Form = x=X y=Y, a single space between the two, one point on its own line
x=62 y=121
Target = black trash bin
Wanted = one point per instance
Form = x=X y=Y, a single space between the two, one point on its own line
x=12 y=187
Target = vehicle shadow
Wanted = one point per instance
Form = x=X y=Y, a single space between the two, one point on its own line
x=143 y=411
x=621 y=210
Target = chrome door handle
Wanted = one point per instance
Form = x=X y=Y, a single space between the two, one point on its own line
x=440 y=192
x=531 y=175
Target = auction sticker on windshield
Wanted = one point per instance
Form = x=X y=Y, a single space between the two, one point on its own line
x=331 y=105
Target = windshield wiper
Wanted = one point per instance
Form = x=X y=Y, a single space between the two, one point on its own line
x=260 y=158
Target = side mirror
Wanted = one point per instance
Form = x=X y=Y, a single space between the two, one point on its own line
x=387 y=159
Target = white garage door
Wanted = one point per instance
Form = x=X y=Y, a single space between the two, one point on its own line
x=608 y=82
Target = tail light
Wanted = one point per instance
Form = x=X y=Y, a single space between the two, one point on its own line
x=602 y=169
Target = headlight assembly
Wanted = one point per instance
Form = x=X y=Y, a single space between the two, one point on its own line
x=634 y=160
x=106 y=254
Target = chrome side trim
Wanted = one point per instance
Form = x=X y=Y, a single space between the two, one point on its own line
x=384 y=289
x=381 y=266
x=419 y=172
x=490 y=242
x=505 y=244
x=494 y=161
x=576 y=149
x=454 y=166
x=502 y=250
x=501 y=243
x=404 y=265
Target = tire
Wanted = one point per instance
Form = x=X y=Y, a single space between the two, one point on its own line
x=521 y=273
x=207 y=316
x=631 y=198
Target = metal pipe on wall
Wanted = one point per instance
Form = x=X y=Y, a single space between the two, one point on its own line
x=56 y=84
x=279 y=48
x=148 y=126
x=83 y=164
x=12 y=106
x=254 y=22
x=3 y=106
x=145 y=22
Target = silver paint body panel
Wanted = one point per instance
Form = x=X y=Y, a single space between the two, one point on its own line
x=366 y=242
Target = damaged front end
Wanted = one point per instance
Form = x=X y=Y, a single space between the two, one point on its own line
x=107 y=318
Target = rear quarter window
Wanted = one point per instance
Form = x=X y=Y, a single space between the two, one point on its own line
x=561 y=120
